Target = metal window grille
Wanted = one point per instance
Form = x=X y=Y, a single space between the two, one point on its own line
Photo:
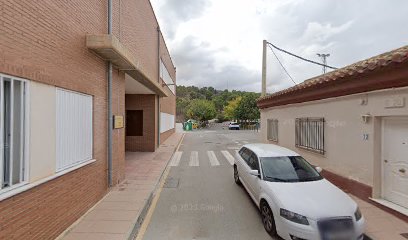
x=272 y=129
x=13 y=140
x=310 y=134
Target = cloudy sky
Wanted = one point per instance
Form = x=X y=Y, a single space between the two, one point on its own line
x=219 y=42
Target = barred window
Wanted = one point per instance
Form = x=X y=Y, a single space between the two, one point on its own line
x=310 y=134
x=272 y=129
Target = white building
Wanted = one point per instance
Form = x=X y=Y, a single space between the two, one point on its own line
x=352 y=122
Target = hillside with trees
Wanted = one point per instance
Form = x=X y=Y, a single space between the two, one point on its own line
x=207 y=103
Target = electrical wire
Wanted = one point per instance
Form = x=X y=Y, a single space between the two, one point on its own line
x=286 y=71
x=294 y=55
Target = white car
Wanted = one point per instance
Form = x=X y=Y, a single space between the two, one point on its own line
x=233 y=125
x=295 y=201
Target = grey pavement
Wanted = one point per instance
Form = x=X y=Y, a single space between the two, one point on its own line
x=119 y=214
x=203 y=202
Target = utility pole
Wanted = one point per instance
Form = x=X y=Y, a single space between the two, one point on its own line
x=324 y=57
x=263 y=93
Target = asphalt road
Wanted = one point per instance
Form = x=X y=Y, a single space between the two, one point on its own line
x=200 y=199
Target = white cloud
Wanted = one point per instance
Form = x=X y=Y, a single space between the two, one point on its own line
x=219 y=43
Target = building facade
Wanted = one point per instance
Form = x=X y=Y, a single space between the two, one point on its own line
x=54 y=106
x=352 y=122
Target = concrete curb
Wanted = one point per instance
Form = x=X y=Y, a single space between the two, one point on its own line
x=135 y=230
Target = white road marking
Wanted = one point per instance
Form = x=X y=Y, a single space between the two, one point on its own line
x=175 y=161
x=228 y=156
x=245 y=142
x=194 y=159
x=213 y=158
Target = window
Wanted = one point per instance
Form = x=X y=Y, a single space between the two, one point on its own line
x=165 y=76
x=253 y=162
x=134 y=123
x=288 y=169
x=245 y=154
x=309 y=134
x=13 y=129
x=74 y=128
x=272 y=129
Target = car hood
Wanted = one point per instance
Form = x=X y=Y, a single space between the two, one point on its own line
x=315 y=199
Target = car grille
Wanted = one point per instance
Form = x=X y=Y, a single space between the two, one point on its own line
x=336 y=228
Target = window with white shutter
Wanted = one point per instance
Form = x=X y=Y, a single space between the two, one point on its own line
x=74 y=128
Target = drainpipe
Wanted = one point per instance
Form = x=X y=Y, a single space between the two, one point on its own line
x=110 y=120
x=158 y=80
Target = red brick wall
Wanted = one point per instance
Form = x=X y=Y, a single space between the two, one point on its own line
x=46 y=43
x=147 y=103
x=164 y=136
x=168 y=105
x=135 y=25
x=118 y=136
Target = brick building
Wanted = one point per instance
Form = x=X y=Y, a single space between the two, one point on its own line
x=54 y=102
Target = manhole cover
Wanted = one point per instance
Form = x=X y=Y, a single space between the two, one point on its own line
x=405 y=235
x=171 y=183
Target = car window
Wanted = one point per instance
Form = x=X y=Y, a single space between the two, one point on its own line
x=245 y=153
x=253 y=162
x=288 y=169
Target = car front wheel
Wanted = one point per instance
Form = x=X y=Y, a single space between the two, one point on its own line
x=267 y=219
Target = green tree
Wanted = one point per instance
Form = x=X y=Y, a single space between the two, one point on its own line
x=247 y=108
x=181 y=108
x=229 y=110
x=202 y=110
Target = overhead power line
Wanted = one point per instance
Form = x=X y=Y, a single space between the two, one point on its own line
x=324 y=57
x=302 y=58
x=286 y=71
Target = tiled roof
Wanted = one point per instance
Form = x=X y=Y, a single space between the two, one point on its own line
x=359 y=68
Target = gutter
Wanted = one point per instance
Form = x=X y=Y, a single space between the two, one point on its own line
x=158 y=80
x=110 y=120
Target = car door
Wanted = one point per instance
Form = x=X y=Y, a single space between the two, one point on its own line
x=243 y=167
x=253 y=181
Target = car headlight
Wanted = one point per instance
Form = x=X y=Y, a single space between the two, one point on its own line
x=357 y=214
x=294 y=217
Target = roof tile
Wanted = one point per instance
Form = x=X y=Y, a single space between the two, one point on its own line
x=398 y=55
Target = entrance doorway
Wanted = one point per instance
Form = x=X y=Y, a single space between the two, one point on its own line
x=395 y=160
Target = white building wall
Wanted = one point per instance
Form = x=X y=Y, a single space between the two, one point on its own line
x=42 y=131
x=167 y=122
x=347 y=152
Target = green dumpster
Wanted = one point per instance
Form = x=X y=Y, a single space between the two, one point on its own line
x=188 y=126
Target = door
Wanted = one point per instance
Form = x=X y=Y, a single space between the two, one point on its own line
x=253 y=181
x=395 y=160
x=242 y=165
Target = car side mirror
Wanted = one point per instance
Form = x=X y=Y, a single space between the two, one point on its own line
x=254 y=173
x=319 y=169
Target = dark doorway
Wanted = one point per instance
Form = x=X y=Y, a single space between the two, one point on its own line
x=134 y=123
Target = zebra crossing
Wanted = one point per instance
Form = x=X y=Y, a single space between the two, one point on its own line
x=213 y=158
x=194 y=159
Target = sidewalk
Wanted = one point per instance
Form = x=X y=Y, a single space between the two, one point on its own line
x=381 y=225
x=119 y=214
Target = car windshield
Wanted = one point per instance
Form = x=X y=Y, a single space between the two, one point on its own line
x=288 y=169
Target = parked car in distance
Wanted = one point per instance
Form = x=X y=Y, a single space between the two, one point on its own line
x=295 y=201
x=233 y=126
